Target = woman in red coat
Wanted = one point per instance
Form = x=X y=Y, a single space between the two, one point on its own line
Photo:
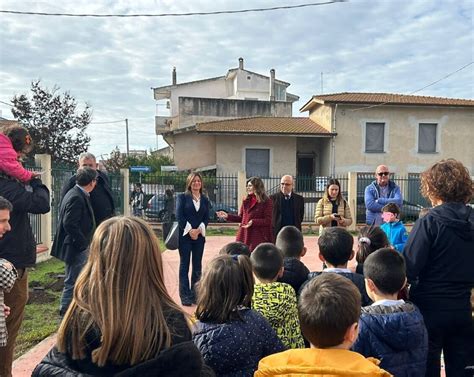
x=255 y=216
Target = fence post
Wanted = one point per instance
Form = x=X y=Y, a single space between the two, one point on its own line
x=44 y=160
x=241 y=187
x=352 y=198
x=125 y=173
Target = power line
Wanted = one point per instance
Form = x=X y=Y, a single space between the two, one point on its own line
x=6 y=103
x=419 y=90
x=283 y=7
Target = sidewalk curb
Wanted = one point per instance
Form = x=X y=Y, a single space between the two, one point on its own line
x=24 y=365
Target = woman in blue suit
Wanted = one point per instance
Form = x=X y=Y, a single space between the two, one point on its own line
x=192 y=212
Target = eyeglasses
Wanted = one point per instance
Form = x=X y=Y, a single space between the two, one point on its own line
x=285 y=184
x=382 y=173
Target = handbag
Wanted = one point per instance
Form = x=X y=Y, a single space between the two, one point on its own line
x=172 y=240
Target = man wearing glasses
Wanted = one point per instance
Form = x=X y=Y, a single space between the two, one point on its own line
x=288 y=207
x=380 y=192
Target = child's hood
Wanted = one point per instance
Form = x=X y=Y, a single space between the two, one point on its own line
x=6 y=148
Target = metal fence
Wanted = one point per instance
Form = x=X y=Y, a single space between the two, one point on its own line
x=221 y=190
x=60 y=176
x=35 y=219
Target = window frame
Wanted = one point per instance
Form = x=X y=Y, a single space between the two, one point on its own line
x=436 y=135
x=268 y=162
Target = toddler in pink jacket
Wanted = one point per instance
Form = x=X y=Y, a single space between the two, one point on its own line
x=15 y=141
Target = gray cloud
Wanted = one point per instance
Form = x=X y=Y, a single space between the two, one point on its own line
x=390 y=46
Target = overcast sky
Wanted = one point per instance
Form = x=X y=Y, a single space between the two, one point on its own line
x=394 y=46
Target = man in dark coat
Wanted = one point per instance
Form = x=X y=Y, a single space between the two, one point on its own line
x=75 y=228
x=288 y=207
x=101 y=198
x=18 y=246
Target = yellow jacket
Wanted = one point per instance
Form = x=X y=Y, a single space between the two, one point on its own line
x=319 y=362
x=322 y=215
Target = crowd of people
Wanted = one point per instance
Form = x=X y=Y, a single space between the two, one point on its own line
x=259 y=310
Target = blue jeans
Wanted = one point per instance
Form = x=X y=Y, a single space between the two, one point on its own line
x=189 y=250
x=71 y=273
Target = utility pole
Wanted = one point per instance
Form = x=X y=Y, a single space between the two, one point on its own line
x=126 y=132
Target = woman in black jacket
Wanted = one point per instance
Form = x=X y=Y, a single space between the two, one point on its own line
x=122 y=321
x=439 y=258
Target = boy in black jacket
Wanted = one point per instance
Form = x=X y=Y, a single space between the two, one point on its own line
x=290 y=242
x=335 y=250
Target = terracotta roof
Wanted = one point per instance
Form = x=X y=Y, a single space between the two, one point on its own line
x=385 y=98
x=7 y=122
x=264 y=125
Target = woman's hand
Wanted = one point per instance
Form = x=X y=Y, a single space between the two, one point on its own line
x=341 y=221
x=222 y=215
x=249 y=224
x=194 y=233
x=6 y=310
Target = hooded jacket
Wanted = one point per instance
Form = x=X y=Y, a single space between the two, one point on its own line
x=439 y=256
x=234 y=348
x=9 y=163
x=319 y=362
x=374 y=203
x=277 y=303
x=182 y=359
x=295 y=273
x=396 y=234
x=396 y=335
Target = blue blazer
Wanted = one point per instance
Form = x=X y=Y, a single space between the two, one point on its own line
x=186 y=212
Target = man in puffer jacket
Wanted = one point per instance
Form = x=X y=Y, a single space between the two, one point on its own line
x=391 y=330
x=379 y=193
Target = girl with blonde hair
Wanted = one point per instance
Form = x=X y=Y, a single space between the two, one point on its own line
x=122 y=320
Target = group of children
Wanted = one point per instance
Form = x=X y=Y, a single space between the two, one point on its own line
x=265 y=313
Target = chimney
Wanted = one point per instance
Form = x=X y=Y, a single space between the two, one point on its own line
x=272 y=85
x=241 y=63
x=173 y=76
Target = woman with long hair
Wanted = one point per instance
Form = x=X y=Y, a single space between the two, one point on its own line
x=231 y=337
x=192 y=213
x=122 y=320
x=439 y=256
x=255 y=215
x=332 y=209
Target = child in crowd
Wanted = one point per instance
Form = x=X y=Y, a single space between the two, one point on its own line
x=335 y=250
x=329 y=311
x=231 y=337
x=15 y=141
x=393 y=227
x=235 y=248
x=290 y=241
x=370 y=238
x=391 y=330
x=275 y=301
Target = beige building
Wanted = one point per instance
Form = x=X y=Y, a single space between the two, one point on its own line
x=405 y=132
x=239 y=121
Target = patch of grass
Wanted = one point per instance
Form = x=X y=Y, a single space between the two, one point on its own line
x=223 y=231
x=41 y=318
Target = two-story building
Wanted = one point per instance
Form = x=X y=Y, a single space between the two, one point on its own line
x=240 y=121
x=408 y=133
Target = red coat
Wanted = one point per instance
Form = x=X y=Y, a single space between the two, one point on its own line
x=261 y=229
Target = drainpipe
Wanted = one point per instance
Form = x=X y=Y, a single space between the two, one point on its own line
x=333 y=143
x=272 y=85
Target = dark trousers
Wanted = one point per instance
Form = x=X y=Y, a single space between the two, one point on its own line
x=16 y=299
x=189 y=250
x=72 y=271
x=452 y=333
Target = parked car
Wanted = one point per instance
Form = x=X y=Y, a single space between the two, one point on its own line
x=408 y=213
x=214 y=207
x=155 y=208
